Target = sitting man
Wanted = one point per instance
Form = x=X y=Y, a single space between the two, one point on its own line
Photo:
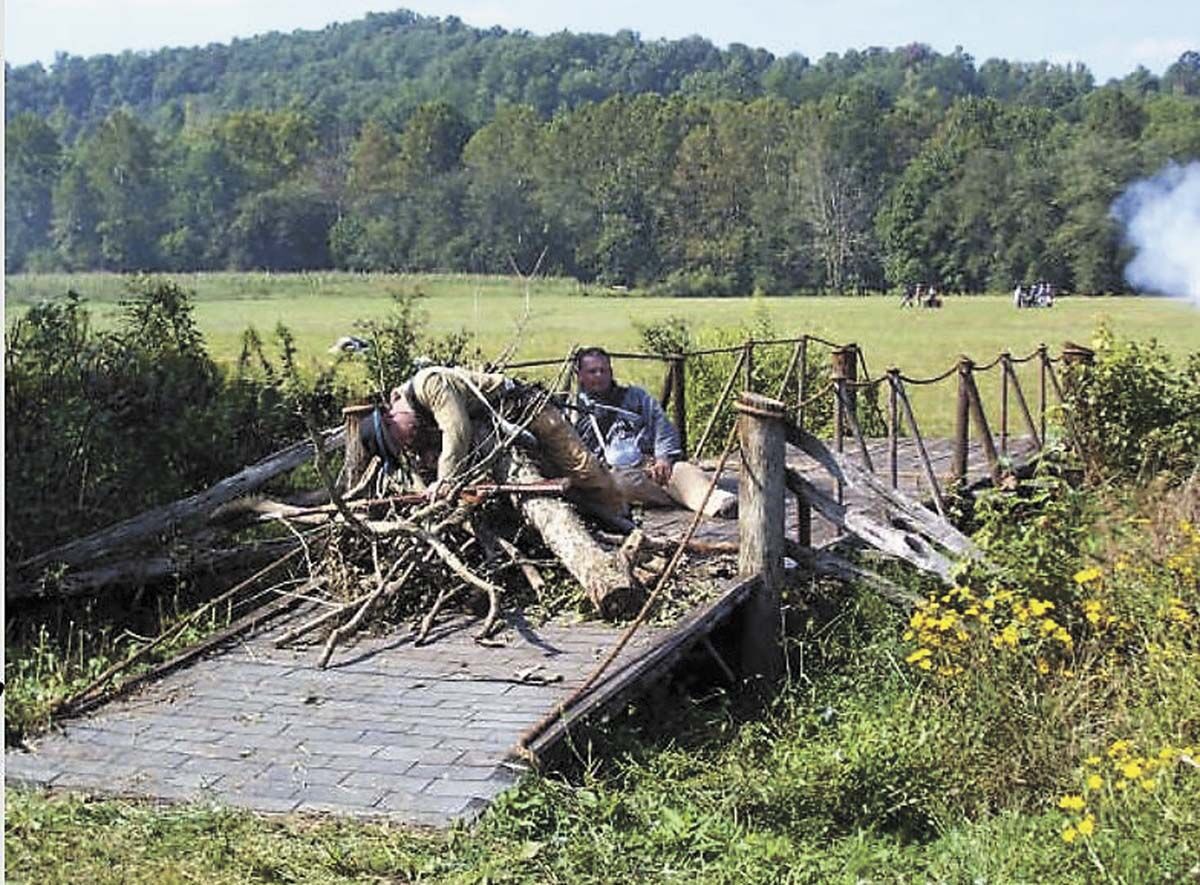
x=626 y=427
x=438 y=413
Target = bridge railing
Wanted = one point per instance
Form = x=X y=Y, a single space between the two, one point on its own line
x=803 y=393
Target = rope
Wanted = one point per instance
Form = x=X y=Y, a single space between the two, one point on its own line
x=561 y=710
x=934 y=380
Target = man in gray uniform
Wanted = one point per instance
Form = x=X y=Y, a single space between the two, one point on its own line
x=627 y=428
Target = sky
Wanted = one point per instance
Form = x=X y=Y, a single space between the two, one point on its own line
x=1112 y=37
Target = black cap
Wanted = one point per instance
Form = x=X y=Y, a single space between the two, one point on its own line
x=373 y=435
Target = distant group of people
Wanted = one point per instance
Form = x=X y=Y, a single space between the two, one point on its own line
x=1040 y=294
x=920 y=295
x=619 y=450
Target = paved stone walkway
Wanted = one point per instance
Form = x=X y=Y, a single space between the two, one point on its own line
x=420 y=735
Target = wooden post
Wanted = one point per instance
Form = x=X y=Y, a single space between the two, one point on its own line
x=894 y=427
x=844 y=368
x=749 y=365
x=1074 y=357
x=802 y=381
x=356 y=455
x=962 y=422
x=761 y=530
x=981 y=428
x=1043 y=363
x=678 y=401
x=1005 y=368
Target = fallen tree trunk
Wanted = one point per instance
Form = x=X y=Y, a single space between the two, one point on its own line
x=607 y=578
x=194 y=509
x=147 y=570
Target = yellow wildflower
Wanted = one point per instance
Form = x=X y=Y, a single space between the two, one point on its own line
x=1071 y=802
x=919 y=655
x=1042 y=666
x=925 y=664
x=1118 y=748
x=1094 y=782
x=1132 y=770
x=1087 y=826
x=1092 y=760
x=1147 y=784
x=1088 y=574
x=1068 y=834
x=1039 y=607
x=1121 y=784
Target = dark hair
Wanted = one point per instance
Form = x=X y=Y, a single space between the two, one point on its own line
x=591 y=351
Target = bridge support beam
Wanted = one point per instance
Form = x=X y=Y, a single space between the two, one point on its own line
x=761 y=511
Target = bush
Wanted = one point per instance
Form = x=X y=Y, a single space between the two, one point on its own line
x=1135 y=411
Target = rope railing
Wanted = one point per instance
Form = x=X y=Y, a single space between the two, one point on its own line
x=897 y=415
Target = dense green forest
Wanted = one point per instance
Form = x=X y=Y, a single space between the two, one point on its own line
x=406 y=143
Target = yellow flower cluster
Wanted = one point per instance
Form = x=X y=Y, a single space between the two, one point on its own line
x=1129 y=774
x=947 y=628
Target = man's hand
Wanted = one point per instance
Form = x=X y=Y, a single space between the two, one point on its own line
x=660 y=471
x=436 y=489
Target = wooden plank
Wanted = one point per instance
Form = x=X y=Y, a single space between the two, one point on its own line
x=914 y=513
x=651 y=663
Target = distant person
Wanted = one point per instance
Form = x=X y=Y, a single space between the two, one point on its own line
x=626 y=427
x=909 y=297
x=1019 y=296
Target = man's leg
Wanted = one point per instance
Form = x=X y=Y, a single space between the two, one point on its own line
x=688 y=485
x=562 y=450
x=638 y=488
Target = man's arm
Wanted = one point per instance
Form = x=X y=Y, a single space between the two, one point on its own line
x=663 y=435
x=439 y=393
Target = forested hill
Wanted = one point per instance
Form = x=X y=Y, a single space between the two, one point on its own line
x=405 y=143
x=385 y=65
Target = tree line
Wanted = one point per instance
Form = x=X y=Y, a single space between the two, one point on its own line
x=863 y=171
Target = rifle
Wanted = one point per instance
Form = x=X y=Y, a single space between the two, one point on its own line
x=266 y=510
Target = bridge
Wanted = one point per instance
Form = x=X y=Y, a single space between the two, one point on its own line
x=430 y=734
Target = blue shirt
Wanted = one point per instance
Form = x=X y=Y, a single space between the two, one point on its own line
x=656 y=435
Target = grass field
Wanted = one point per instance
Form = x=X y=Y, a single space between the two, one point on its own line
x=320 y=307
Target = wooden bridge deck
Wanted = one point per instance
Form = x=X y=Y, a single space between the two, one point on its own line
x=421 y=735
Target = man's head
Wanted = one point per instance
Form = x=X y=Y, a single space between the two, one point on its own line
x=386 y=433
x=594 y=368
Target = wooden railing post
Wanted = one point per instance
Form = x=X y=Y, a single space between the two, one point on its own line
x=1074 y=356
x=962 y=422
x=356 y=455
x=749 y=365
x=1043 y=365
x=761 y=531
x=678 y=400
x=844 y=368
x=1005 y=368
x=802 y=381
x=893 y=376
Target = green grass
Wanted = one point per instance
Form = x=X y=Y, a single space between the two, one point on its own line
x=320 y=307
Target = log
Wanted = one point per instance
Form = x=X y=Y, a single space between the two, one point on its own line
x=607 y=578
x=147 y=570
x=170 y=517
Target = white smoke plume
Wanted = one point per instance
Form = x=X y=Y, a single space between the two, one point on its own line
x=1161 y=219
